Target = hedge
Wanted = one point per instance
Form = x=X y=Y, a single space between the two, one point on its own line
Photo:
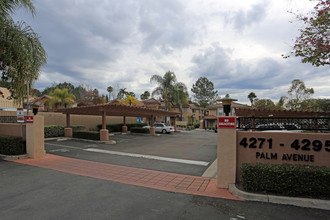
x=286 y=179
x=11 y=145
x=58 y=131
x=139 y=130
x=118 y=127
x=91 y=135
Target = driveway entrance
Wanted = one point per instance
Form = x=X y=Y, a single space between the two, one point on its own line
x=184 y=153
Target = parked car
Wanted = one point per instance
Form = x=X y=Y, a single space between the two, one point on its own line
x=279 y=127
x=162 y=128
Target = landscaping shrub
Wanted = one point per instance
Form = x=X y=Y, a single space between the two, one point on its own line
x=118 y=127
x=286 y=179
x=139 y=130
x=78 y=128
x=53 y=131
x=10 y=145
x=91 y=135
x=58 y=130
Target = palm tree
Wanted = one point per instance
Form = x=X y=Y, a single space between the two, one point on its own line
x=62 y=97
x=145 y=95
x=21 y=53
x=166 y=84
x=251 y=97
x=121 y=93
x=110 y=90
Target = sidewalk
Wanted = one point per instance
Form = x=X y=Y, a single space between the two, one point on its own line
x=172 y=182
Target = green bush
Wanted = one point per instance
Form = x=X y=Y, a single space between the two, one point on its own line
x=286 y=179
x=53 y=131
x=78 y=128
x=10 y=145
x=91 y=135
x=58 y=130
x=118 y=127
x=139 y=130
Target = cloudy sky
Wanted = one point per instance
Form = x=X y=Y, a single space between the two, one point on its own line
x=235 y=44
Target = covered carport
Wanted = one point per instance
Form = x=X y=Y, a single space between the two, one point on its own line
x=115 y=109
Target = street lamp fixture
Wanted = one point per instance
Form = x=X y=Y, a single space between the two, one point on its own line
x=226 y=102
x=35 y=108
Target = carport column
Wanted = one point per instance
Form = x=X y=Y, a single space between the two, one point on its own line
x=226 y=173
x=124 y=127
x=104 y=133
x=152 y=128
x=68 y=129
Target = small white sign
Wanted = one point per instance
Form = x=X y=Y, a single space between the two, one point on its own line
x=20 y=115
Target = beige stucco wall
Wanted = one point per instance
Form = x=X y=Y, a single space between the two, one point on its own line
x=89 y=121
x=281 y=146
x=4 y=102
x=12 y=129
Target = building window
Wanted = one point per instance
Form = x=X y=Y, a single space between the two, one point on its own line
x=193 y=111
x=189 y=110
x=220 y=112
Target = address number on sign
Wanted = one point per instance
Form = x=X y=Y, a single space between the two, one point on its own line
x=304 y=145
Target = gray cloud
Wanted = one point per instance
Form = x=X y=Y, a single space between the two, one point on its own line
x=244 y=18
x=229 y=74
x=165 y=24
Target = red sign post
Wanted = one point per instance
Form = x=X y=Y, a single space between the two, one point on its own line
x=29 y=119
x=227 y=122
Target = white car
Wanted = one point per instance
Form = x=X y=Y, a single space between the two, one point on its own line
x=162 y=128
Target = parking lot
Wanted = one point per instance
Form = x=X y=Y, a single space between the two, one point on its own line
x=185 y=153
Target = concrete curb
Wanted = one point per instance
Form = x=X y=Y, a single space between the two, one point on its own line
x=211 y=171
x=302 y=202
x=13 y=157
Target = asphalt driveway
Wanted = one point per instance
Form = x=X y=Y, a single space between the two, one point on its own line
x=185 y=153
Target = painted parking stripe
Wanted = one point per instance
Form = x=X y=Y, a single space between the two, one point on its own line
x=61 y=145
x=168 y=159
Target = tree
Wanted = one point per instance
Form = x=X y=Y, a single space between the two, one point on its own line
x=61 y=97
x=298 y=93
x=180 y=96
x=92 y=97
x=264 y=104
x=109 y=90
x=145 y=95
x=130 y=94
x=21 y=53
x=165 y=86
x=280 y=104
x=204 y=93
x=252 y=96
x=121 y=93
x=130 y=100
x=312 y=45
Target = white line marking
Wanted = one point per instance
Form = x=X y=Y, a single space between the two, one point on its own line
x=60 y=145
x=175 y=160
x=60 y=150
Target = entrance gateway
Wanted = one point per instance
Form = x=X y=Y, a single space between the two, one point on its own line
x=238 y=147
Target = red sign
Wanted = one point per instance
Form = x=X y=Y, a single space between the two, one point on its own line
x=227 y=122
x=29 y=119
